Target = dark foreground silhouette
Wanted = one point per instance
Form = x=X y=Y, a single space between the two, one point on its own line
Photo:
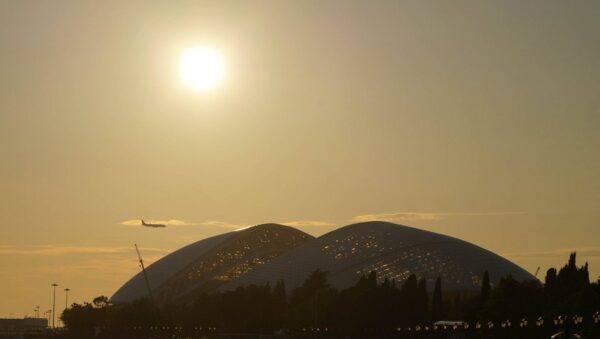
x=567 y=301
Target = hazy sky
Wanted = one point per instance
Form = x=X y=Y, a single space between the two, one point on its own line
x=476 y=119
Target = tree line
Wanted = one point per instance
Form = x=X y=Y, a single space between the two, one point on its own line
x=370 y=307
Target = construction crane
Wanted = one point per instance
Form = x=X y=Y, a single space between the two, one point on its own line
x=144 y=272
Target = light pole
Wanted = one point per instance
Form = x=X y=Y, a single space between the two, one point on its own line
x=37 y=311
x=49 y=314
x=54 y=303
x=67 y=297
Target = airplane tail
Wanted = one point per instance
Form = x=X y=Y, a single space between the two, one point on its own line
x=143 y=222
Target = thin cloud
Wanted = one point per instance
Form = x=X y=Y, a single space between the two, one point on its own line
x=68 y=249
x=96 y=271
x=177 y=222
x=400 y=216
x=587 y=252
x=482 y=213
x=219 y=224
x=122 y=263
x=424 y=216
x=308 y=223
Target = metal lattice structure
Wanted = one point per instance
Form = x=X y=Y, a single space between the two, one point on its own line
x=394 y=251
x=210 y=263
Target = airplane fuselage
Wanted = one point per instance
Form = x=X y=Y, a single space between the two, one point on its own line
x=152 y=225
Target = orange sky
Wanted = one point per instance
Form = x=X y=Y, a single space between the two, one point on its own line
x=474 y=119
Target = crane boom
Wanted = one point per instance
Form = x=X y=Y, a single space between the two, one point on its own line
x=144 y=272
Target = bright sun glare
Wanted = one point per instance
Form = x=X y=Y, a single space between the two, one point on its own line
x=201 y=68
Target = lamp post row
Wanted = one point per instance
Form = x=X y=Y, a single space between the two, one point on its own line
x=52 y=312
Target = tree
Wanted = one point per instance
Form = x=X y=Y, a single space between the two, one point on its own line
x=515 y=300
x=279 y=303
x=422 y=301
x=80 y=319
x=485 y=289
x=310 y=303
x=409 y=296
x=569 y=291
x=437 y=307
x=100 y=302
x=551 y=277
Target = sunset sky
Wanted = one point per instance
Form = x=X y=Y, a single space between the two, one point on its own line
x=475 y=119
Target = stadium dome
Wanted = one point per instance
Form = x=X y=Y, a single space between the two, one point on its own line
x=394 y=251
x=207 y=264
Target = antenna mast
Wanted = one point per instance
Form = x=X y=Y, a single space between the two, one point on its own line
x=144 y=272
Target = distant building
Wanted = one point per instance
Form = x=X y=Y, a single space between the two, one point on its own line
x=267 y=253
x=20 y=325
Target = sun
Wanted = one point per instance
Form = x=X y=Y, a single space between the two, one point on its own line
x=201 y=68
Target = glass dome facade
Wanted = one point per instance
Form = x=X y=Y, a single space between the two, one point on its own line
x=210 y=263
x=267 y=253
x=394 y=251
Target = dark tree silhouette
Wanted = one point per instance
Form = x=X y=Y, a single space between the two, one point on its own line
x=515 y=300
x=485 y=289
x=100 y=302
x=409 y=294
x=279 y=304
x=422 y=302
x=310 y=303
x=370 y=309
x=569 y=290
x=437 y=306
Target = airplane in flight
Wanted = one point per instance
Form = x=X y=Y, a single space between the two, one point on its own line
x=152 y=225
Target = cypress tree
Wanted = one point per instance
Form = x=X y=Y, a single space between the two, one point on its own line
x=485 y=289
x=372 y=279
x=551 y=278
x=422 y=306
x=437 y=307
x=280 y=296
x=409 y=300
x=410 y=286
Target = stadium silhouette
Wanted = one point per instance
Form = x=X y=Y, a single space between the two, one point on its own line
x=268 y=253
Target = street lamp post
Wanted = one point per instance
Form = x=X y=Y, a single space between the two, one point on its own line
x=54 y=304
x=49 y=312
x=67 y=297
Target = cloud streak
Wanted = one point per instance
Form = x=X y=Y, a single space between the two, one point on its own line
x=587 y=252
x=398 y=216
x=177 y=222
x=307 y=223
x=51 y=250
x=424 y=216
x=219 y=224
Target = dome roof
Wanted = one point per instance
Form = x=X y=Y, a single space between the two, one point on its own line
x=394 y=251
x=207 y=264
